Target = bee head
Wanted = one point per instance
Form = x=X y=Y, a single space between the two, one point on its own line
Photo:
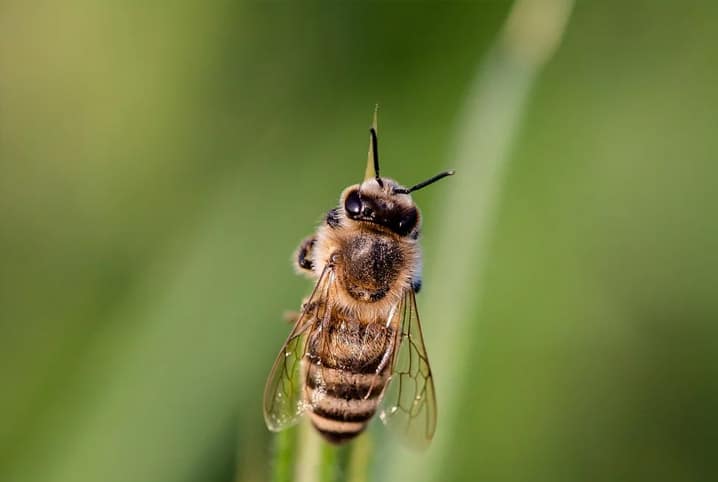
x=383 y=201
x=371 y=203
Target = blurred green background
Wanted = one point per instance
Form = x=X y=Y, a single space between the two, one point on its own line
x=160 y=161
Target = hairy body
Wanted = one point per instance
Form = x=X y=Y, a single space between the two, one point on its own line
x=359 y=330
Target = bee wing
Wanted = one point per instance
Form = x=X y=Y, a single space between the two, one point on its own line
x=283 y=400
x=408 y=406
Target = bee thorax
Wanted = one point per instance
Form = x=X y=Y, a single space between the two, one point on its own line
x=371 y=265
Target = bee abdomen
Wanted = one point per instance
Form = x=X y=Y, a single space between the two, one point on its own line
x=346 y=368
x=347 y=413
x=344 y=403
x=341 y=420
x=337 y=432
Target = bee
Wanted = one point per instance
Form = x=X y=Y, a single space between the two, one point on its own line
x=356 y=347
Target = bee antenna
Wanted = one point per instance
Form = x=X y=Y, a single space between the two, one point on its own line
x=423 y=184
x=375 y=151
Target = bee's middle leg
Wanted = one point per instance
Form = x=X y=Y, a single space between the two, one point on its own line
x=305 y=254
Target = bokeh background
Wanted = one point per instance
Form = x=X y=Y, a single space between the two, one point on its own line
x=160 y=161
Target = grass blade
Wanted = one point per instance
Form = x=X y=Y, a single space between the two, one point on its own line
x=489 y=123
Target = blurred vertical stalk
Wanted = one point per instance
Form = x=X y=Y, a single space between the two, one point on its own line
x=358 y=469
x=487 y=127
x=308 y=457
x=316 y=460
x=285 y=448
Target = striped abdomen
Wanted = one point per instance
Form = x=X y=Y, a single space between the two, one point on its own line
x=346 y=370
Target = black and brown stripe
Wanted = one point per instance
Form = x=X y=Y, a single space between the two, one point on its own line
x=345 y=377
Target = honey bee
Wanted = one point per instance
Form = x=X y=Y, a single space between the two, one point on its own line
x=356 y=346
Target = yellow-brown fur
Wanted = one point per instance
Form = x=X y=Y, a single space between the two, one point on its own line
x=373 y=267
x=332 y=241
x=344 y=345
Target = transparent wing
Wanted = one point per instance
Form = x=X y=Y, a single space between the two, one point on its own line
x=283 y=393
x=409 y=402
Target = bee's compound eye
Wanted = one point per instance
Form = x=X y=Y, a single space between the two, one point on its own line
x=353 y=204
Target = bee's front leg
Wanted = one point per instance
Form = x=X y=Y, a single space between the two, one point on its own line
x=305 y=255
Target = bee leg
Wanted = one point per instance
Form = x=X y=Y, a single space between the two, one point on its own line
x=416 y=284
x=333 y=220
x=304 y=254
x=388 y=355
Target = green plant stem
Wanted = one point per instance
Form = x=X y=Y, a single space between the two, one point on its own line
x=308 y=457
x=334 y=462
x=358 y=469
x=301 y=455
x=284 y=454
x=327 y=463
